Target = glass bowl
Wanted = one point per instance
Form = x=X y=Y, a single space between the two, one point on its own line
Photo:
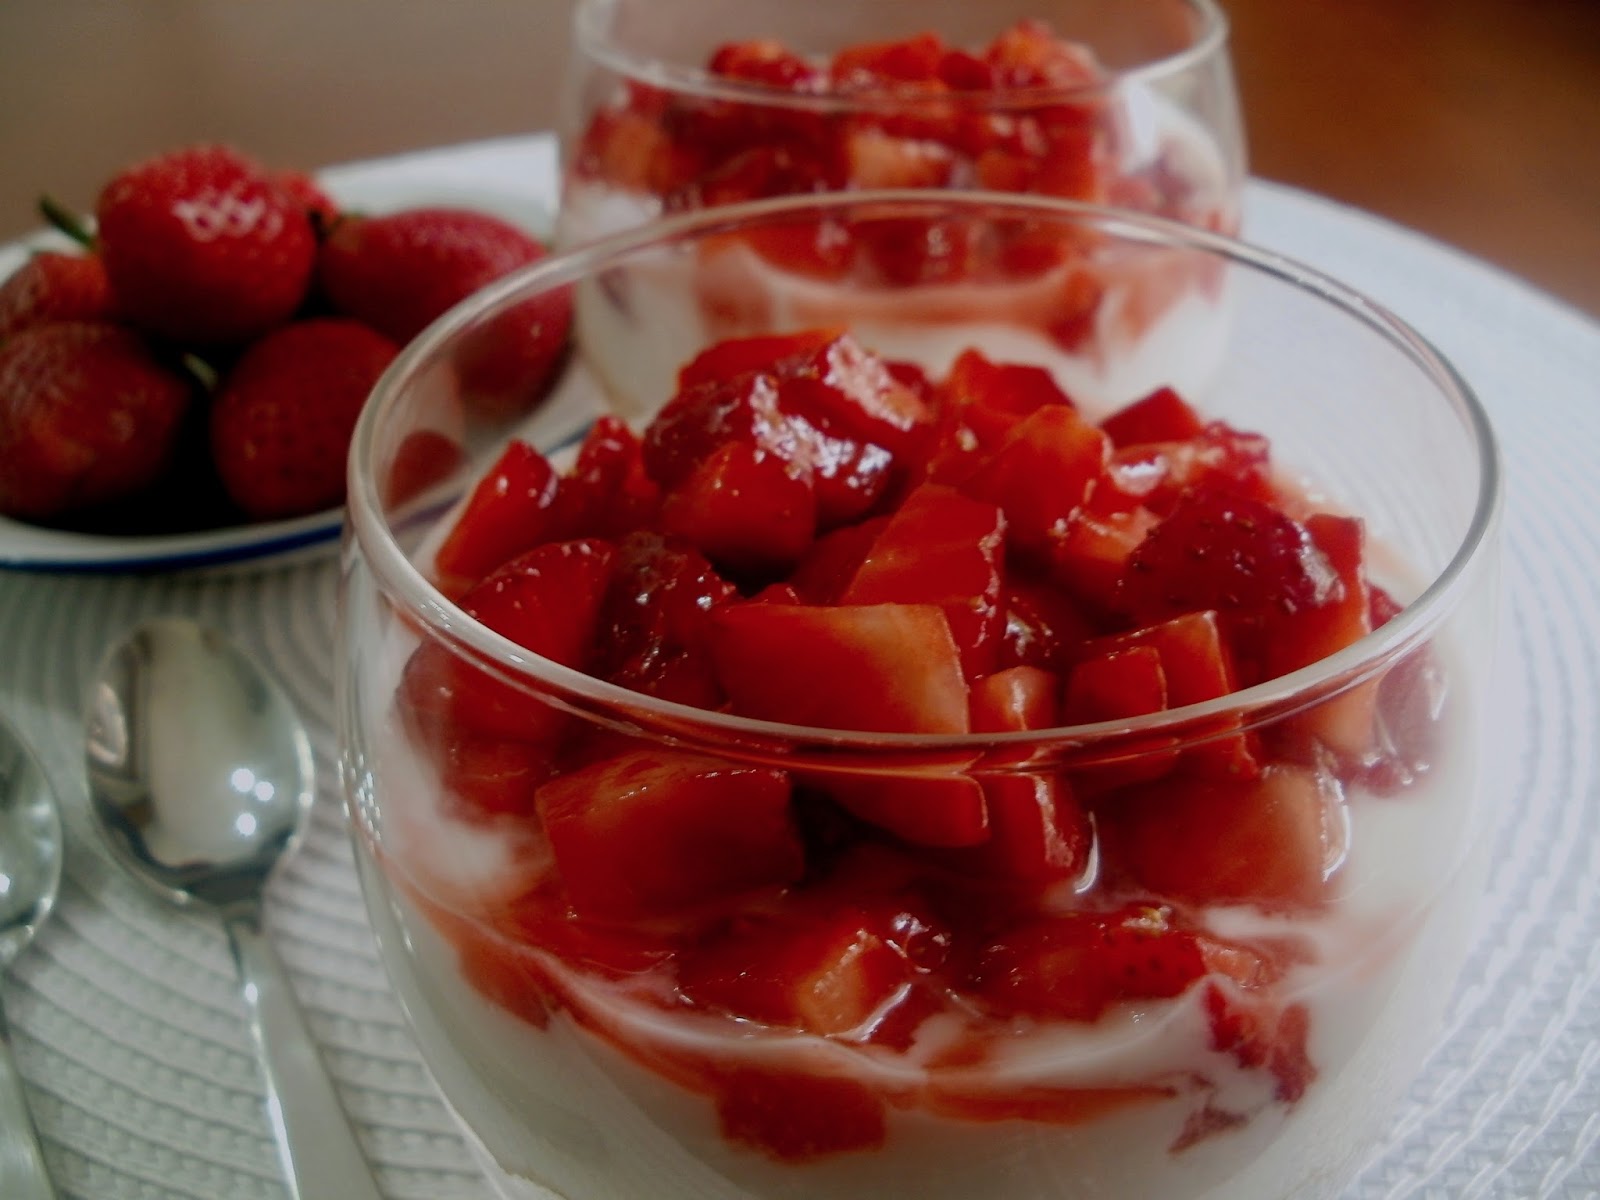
x=887 y=827
x=1130 y=104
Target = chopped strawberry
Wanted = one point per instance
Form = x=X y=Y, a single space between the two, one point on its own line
x=487 y=777
x=1296 y=639
x=1077 y=965
x=870 y=66
x=1197 y=666
x=765 y=61
x=1043 y=624
x=508 y=513
x=843 y=385
x=1119 y=683
x=1041 y=473
x=607 y=493
x=883 y=667
x=993 y=397
x=656 y=832
x=745 y=509
x=823 y=969
x=880 y=160
x=653 y=629
x=1030 y=55
x=1161 y=416
x=547 y=601
x=776 y=354
x=1271 y=842
x=939 y=547
x=1019 y=697
x=1244 y=559
x=1090 y=554
x=833 y=560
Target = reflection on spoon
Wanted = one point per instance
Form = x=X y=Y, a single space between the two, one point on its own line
x=201 y=778
x=30 y=876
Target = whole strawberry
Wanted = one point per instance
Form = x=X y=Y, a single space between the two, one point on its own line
x=283 y=416
x=400 y=272
x=88 y=415
x=52 y=286
x=202 y=246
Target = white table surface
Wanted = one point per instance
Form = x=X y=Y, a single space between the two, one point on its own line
x=128 y=1026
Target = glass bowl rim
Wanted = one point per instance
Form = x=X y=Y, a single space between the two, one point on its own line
x=367 y=528
x=591 y=38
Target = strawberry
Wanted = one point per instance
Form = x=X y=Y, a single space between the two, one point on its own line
x=88 y=415
x=202 y=247
x=653 y=831
x=53 y=286
x=1078 y=964
x=1245 y=559
x=282 y=420
x=400 y=272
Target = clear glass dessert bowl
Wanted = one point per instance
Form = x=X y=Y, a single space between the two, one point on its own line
x=879 y=758
x=670 y=107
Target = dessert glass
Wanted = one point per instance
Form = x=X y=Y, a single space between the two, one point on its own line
x=1130 y=104
x=573 y=1046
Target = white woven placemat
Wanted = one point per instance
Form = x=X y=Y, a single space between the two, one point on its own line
x=133 y=1040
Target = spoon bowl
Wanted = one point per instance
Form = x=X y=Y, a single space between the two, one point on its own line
x=201 y=780
x=200 y=772
x=30 y=876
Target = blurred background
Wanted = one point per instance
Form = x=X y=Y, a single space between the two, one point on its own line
x=1475 y=121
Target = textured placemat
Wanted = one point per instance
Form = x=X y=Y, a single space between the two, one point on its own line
x=128 y=1025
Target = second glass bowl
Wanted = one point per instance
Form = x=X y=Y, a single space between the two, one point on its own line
x=687 y=105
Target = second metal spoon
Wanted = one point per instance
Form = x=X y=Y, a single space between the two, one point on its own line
x=201 y=778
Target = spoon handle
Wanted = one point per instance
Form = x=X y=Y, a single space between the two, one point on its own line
x=321 y=1156
x=22 y=1170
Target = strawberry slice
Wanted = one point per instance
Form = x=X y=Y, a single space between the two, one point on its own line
x=881 y=667
x=939 y=547
x=657 y=831
x=1271 y=842
x=1077 y=965
x=510 y=511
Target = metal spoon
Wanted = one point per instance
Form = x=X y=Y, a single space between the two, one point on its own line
x=30 y=876
x=200 y=776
